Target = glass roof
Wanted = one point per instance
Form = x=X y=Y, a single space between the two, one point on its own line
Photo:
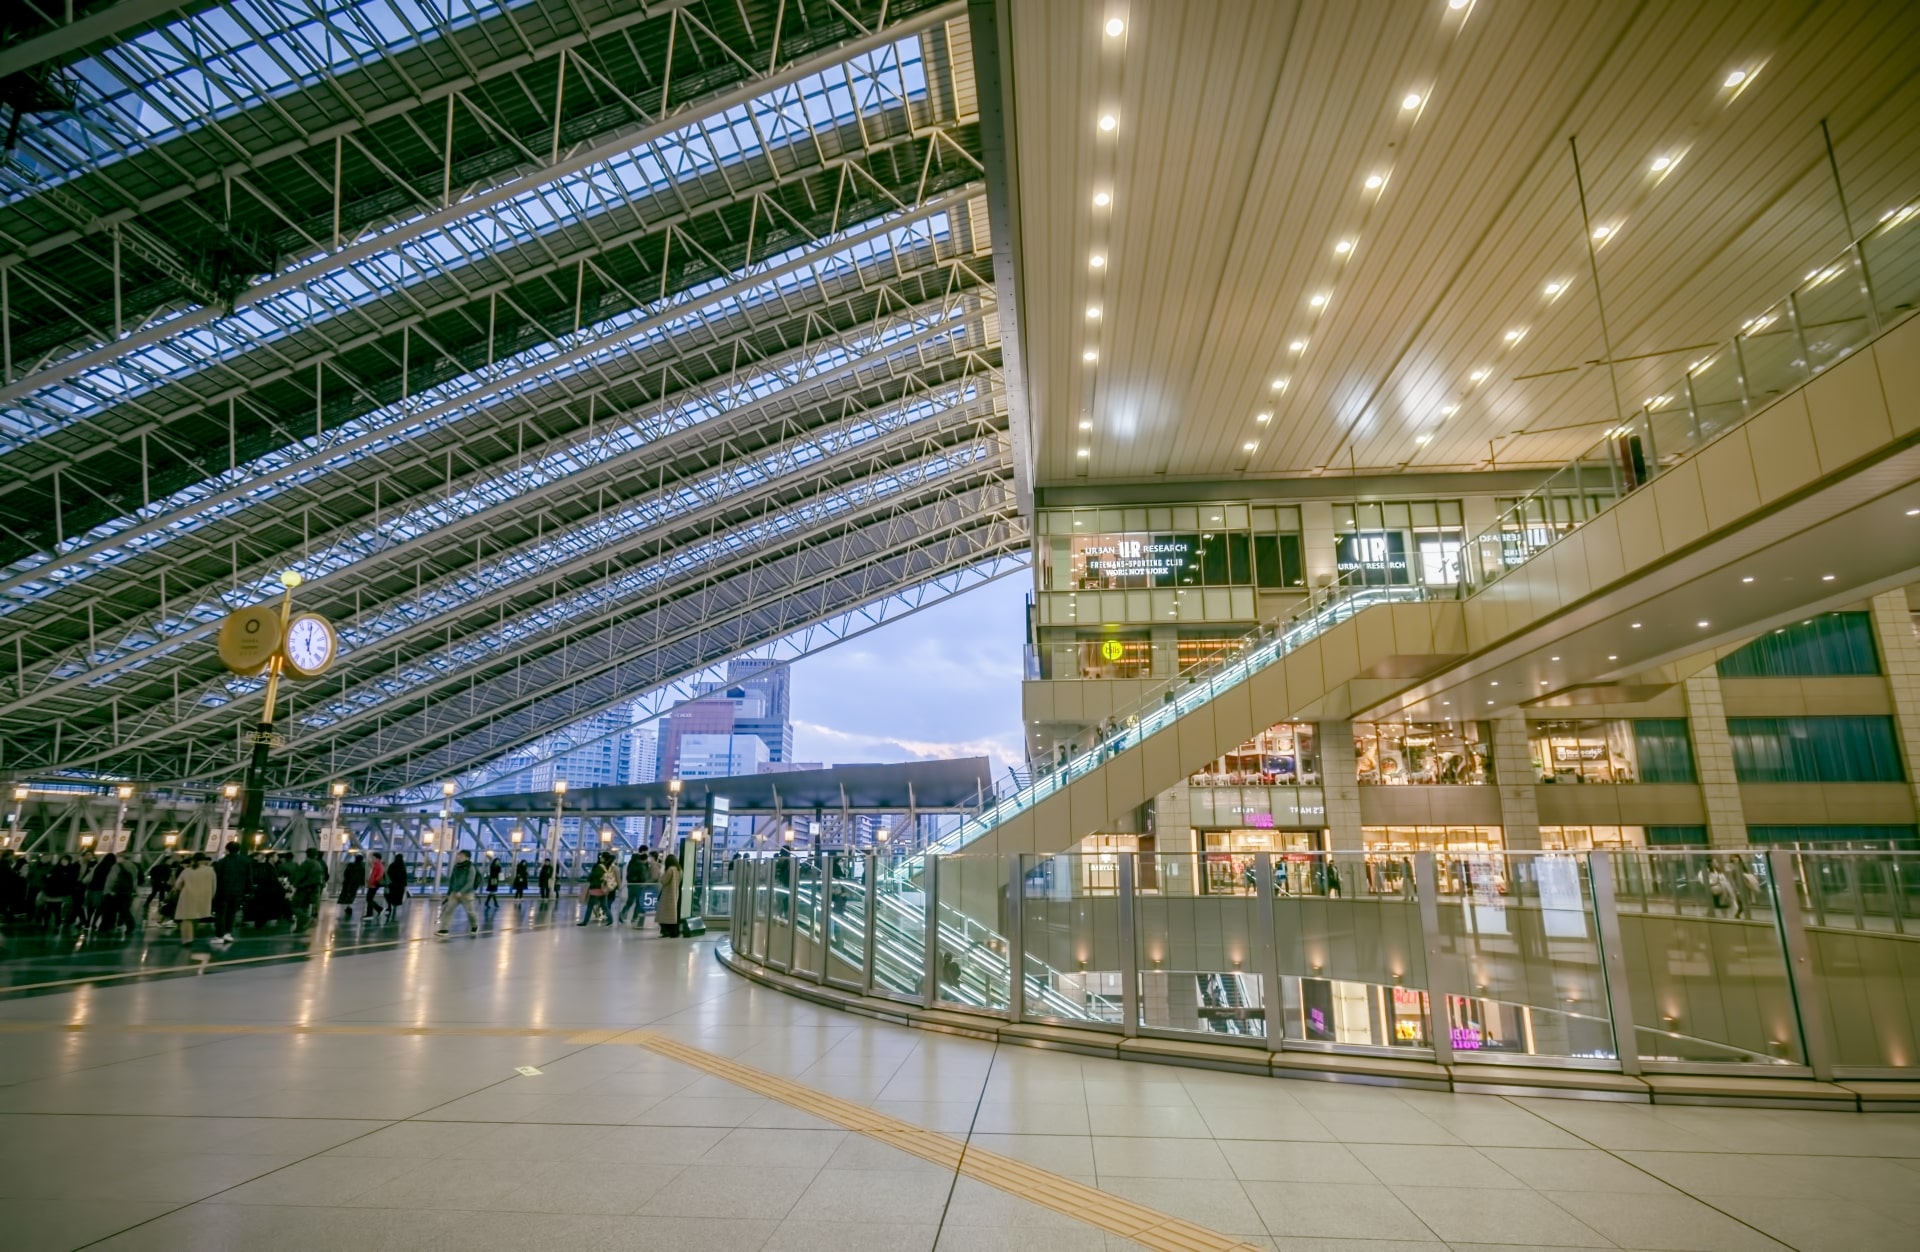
x=785 y=116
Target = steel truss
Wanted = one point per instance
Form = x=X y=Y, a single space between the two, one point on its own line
x=545 y=434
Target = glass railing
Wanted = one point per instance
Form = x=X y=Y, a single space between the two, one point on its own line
x=1784 y=961
x=1838 y=308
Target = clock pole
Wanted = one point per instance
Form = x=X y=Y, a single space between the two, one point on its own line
x=254 y=802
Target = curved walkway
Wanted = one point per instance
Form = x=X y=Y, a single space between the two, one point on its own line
x=385 y=1102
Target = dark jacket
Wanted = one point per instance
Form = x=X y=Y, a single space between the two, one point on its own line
x=231 y=874
x=353 y=876
x=637 y=868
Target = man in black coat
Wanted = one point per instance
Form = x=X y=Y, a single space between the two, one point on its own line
x=231 y=875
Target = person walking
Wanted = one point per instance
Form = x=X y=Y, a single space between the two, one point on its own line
x=494 y=870
x=397 y=878
x=596 y=896
x=96 y=891
x=668 y=910
x=309 y=882
x=353 y=877
x=160 y=883
x=519 y=879
x=234 y=875
x=376 y=885
x=636 y=904
x=460 y=885
x=117 y=900
x=194 y=889
x=546 y=879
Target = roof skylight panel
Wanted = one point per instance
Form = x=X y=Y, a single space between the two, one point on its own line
x=274 y=471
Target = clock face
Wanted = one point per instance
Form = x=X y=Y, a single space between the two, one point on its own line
x=310 y=644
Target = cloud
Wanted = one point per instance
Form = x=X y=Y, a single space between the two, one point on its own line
x=813 y=741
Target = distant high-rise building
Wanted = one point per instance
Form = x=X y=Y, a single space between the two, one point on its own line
x=754 y=700
x=644 y=766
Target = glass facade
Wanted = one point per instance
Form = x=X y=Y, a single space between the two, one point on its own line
x=1592 y=838
x=1202 y=545
x=1282 y=755
x=1647 y=750
x=1433 y=838
x=1832 y=643
x=1815 y=749
x=1410 y=753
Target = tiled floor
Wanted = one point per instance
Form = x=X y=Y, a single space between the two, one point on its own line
x=372 y=1101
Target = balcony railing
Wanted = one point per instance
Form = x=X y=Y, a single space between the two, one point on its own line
x=1780 y=961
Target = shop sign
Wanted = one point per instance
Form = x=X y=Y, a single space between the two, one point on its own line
x=1485 y=872
x=1112 y=650
x=1373 y=552
x=1579 y=751
x=1131 y=556
x=1466 y=1039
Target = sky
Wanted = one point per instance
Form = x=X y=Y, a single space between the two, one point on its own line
x=943 y=682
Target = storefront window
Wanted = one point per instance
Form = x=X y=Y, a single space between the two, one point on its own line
x=1592 y=838
x=1433 y=838
x=1584 y=752
x=1227 y=856
x=1282 y=755
x=1204 y=650
x=1398 y=543
x=1114 y=655
x=1442 y=753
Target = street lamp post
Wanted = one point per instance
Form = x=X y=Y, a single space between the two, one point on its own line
x=125 y=793
x=553 y=833
x=673 y=811
x=228 y=794
x=339 y=792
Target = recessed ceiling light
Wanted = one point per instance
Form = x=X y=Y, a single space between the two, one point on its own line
x=1085 y=452
x=1280 y=384
x=1263 y=417
x=1826 y=578
x=1543 y=682
x=1091 y=354
x=1736 y=78
x=1478 y=376
x=1298 y=345
x=1248 y=446
x=1101 y=199
x=1114 y=27
x=1514 y=336
x=1602 y=231
x=1448 y=410
x=1458 y=4
x=1553 y=658
x=1747 y=579
x=1422 y=438
x=1097 y=261
x=1412 y=100
x=1489 y=702
x=1343 y=247
x=1661 y=162
x=1446 y=702
x=1553 y=289
x=1635 y=625
x=1093 y=312
x=1703 y=625
x=1612 y=657
x=1107 y=122
x=1374 y=182
x=1085 y=424
x=1494 y=683
x=1913 y=512
x=1319 y=300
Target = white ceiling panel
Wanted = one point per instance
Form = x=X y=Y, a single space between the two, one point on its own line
x=1245 y=133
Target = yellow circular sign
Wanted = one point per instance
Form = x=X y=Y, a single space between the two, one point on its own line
x=1112 y=650
x=249 y=637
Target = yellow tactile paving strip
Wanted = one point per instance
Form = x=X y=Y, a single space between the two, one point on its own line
x=1100 y=1209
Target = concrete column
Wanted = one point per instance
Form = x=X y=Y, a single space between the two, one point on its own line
x=1893 y=629
x=1166 y=651
x=1316 y=542
x=1172 y=827
x=1713 y=760
x=1338 y=770
x=1515 y=776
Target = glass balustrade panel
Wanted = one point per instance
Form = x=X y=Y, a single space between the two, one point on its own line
x=1705 y=962
x=1860 y=914
x=1072 y=963
x=972 y=964
x=1348 y=947
x=1891 y=253
x=762 y=909
x=1833 y=314
x=780 y=869
x=900 y=928
x=807 y=917
x=1196 y=951
x=846 y=957
x=1521 y=934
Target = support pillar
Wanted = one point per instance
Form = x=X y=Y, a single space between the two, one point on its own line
x=1713 y=760
x=1339 y=780
x=1893 y=630
x=1515 y=774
